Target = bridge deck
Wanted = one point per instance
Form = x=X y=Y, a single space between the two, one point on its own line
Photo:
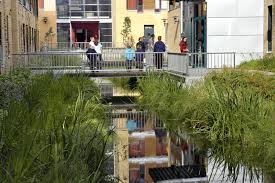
x=116 y=64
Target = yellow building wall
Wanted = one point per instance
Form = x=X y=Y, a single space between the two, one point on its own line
x=47 y=13
x=173 y=28
x=138 y=20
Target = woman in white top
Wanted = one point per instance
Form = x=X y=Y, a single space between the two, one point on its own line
x=98 y=49
x=92 y=43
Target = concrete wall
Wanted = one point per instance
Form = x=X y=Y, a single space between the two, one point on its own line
x=235 y=26
x=138 y=19
x=173 y=30
x=48 y=12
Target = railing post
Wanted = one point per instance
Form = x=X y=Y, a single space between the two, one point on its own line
x=234 y=60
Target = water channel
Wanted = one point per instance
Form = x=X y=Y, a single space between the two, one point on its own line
x=143 y=143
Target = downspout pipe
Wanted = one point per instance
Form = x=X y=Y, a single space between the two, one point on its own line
x=181 y=17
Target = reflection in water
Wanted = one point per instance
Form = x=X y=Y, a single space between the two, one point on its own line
x=142 y=144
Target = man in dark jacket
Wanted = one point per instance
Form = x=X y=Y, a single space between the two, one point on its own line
x=159 y=47
x=141 y=43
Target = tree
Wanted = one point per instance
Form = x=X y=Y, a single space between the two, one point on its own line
x=49 y=35
x=126 y=33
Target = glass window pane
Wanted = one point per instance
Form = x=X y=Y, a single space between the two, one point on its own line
x=63 y=32
x=91 y=1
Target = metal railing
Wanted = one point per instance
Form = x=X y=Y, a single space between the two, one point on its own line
x=199 y=64
x=110 y=90
x=140 y=120
x=80 y=61
x=66 y=46
x=115 y=60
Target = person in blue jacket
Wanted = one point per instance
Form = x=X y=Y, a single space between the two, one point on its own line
x=159 y=48
x=130 y=56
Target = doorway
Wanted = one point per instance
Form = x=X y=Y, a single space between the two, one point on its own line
x=148 y=31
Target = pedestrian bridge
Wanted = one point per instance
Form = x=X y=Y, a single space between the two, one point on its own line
x=114 y=64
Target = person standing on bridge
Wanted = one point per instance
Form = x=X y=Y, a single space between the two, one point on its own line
x=91 y=55
x=141 y=43
x=98 y=49
x=183 y=45
x=139 y=57
x=129 y=55
x=159 y=47
x=92 y=43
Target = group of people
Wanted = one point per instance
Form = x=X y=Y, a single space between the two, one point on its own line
x=94 y=53
x=154 y=51
x=145 y=50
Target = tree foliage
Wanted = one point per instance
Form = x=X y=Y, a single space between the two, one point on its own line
x=126 y=32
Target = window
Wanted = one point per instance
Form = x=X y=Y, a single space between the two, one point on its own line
x=157 y=5
x=106 y=32
x=7 y=35
x=63 y=32
x=139 y=5
x=135 y=5
x=149 y=4
x=62 y=8
x=269 y=30
x=41 y=4
x=131 y=4
x=1 y=43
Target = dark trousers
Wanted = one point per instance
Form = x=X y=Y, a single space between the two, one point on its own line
x=128 y=64
x=99 y=60
x=158 y=60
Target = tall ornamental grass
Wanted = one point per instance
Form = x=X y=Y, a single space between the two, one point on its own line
x=57 y=132
x=265 y=64
x=230 y=114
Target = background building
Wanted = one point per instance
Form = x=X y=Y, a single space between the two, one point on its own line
x=220 y=26
x=147 y=17
x=78 y=20
x=18 y=28
x=47 y=22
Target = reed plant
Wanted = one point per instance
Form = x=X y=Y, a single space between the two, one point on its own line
x=230 y=115
x=57 y=132
x=265 y=64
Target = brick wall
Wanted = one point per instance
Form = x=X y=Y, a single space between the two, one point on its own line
x=13 y=16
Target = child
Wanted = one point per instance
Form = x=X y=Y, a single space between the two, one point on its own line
x=129 y=55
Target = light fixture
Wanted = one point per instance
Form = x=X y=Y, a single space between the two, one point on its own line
x=45 y=19
x=164 y=21
x=176 y=19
